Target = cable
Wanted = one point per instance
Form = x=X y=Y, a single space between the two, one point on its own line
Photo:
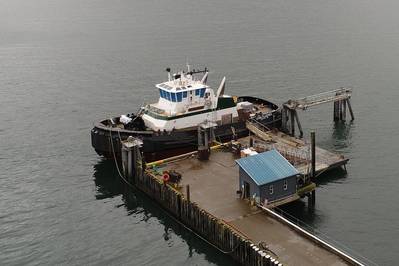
x=116 y=162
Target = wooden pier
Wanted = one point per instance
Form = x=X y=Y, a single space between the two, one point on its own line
x=205 y=201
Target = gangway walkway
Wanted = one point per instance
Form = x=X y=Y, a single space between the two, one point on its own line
x=340 y=97
x=295 y=150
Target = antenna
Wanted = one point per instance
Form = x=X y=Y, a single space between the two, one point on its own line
x=188 y=66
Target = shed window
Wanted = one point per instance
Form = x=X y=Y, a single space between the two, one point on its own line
x=271 y=189
x=285 y=187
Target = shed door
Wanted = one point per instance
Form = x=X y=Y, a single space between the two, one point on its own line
x=246 y=190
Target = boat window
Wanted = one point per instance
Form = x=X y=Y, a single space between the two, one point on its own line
x=161 y=93
x=202 y=92
x=184 y=94
x=285 y=187
x=179 y=96
x=271 y=189
x=178 y=88
x=167 y=95
x=197 y=92
x=173 y=96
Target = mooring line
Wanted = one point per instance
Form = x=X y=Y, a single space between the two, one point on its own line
x=116 y=162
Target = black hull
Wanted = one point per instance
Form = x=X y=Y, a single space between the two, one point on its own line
x=158 y=146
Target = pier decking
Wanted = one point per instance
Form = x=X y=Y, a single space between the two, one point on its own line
x=297 y=151
x=213 y=186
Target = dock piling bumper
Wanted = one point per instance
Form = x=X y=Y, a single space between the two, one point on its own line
x=131 y=159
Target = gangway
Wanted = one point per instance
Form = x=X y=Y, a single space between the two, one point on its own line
x=340 y=97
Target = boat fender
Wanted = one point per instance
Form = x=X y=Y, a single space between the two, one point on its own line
x=165 y=177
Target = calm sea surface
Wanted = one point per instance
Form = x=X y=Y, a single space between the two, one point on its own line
x=67 y=63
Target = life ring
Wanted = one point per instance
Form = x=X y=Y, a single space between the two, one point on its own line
x=166 y=177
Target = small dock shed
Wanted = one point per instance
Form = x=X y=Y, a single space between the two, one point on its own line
x=267 y=176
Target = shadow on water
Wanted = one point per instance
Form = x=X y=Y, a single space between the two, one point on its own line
x=331 y=176
x=110 y=185
x=342 y=134
x=298 y=211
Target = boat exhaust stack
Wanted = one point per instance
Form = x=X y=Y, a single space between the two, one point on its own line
x=222 y=85
x=168 y=70
x=205 y=78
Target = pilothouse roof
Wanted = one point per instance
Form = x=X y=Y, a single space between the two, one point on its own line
x=183 y=81
x=181 y=85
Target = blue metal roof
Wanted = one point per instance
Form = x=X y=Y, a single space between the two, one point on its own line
x=267 y=167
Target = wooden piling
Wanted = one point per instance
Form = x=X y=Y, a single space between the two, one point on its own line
x=284 y=119
x=336 y=111
x=313 y=197
x=299 y=124
x=268 y=258
x=188 y=192
x=129 y=164
x=344 y=110
x=292 y=117
x=350 y=109
x=313 y=153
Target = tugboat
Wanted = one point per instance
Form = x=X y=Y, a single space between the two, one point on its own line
x=170 y=126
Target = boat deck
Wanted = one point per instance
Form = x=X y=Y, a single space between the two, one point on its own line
x=263 y=108
x=213 y=186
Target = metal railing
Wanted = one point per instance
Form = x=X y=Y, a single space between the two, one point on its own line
x=340 y=246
